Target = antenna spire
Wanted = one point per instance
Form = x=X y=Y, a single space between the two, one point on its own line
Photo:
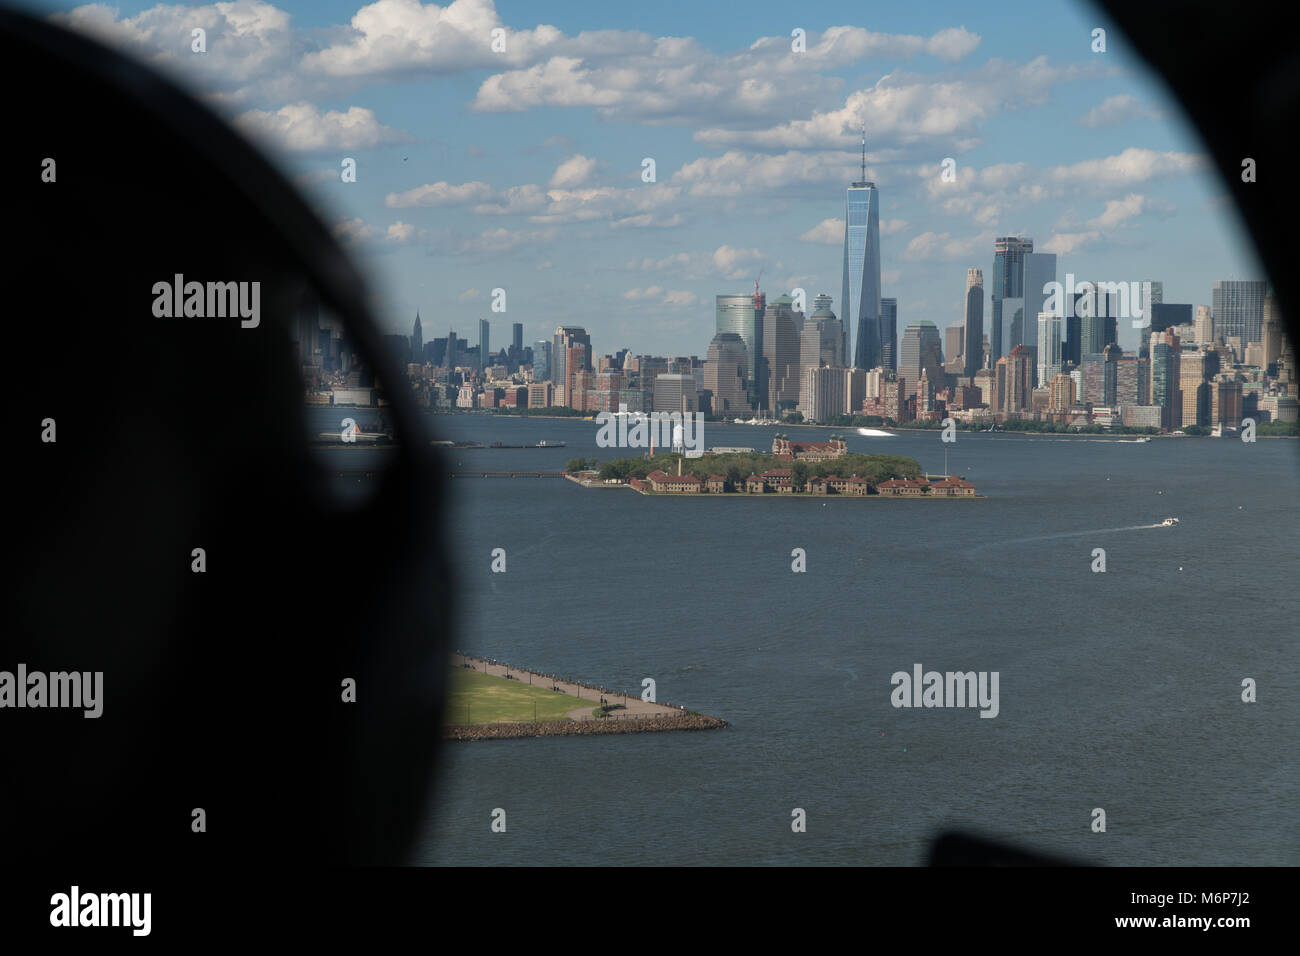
x=864 y=152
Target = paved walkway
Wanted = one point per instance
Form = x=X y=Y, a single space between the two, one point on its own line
x=632 y=706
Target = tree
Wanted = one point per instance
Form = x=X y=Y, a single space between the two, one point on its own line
x=799 y=474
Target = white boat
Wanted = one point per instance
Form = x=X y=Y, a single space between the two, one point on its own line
x=1169 y=522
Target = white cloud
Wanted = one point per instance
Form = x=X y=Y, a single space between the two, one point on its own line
x=890 y=227
x=303 y=127
x=574 y=171
x=650 y=292
x=680 y=299
x=1116 y=111
x=439 y=194
x=469 y=295
x=828 y=232
x=1134 y=165
x=495 y=241
x=913 y=109
x=942 y=246
x=1063 y=243
x=350 y=232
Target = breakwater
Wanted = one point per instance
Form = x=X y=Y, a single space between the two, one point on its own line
x=568 y=728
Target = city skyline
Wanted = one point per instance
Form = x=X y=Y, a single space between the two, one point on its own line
x=523 y=169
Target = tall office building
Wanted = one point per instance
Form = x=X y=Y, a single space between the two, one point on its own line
x=484 y=353
x=1166 y=357
x=860 y=294
x=1239 y=309
x=1040 y=269
x=920 y=351
x=1165 y=315
x=1274 y=331
x=1072 y=352
x=308 y=329
x=1204 y=325
x=1020 y=381
x=724 y=373
x=1008 y=283
x=825 y=391
x=541 y=360
x=820 y=343
x=676 y=393
x=973 y=340
x=517 y=337
x=1049 y=347
x=888 y=334
x=781 y=329
x=743 y=315
x=417 y=340
x=566 y=338
x=1193 y=387
x=953 y=348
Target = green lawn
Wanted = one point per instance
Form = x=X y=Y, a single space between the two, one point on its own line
x=477 y=698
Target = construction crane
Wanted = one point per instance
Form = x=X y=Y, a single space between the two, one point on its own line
x=760 y=275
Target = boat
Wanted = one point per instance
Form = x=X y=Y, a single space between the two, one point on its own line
x=1169 y=522
x=549 y=444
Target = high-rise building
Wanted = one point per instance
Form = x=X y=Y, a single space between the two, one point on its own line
x=824 y=387
x=973 y=337
x=1274 y=331
x=743 y=315
x=1008 y=283
x=888 y=334
x=1040 y=270
x=781 y=330
x=541 y=360
x=860 y=294
x=417 y=339
x=517 y=336
x=1239 y=309
x=1049 y=347
x=1060 y=391
x=954 y=337
x=1225 y=400
x=921 y=349
x=1072 y=353
x=484 y=353
x=1165 y=315
x=568 y=337
x=1193 y=388
x=676 y=393
x=1204 y=325
x=1166 y=358
x=1020 y=381
x=308 y=331
x=725 y=368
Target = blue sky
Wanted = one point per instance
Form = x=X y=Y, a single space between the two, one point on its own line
x=521 y=169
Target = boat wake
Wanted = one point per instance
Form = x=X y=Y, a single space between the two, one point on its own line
x=1069 y=534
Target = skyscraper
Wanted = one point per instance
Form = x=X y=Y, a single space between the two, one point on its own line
x=1166 y=359
x=781 y=329
x=565 y=338
x=1008 y=283
x=541 y=360
x=888 y=334
x=743 y=315
x=1040 y=269
x=724 y=373
x=1049 y=347
x=920 y=351
x=417 y=340
x=973 y=346
x=1020 y=381
x=1239 y=309
x=1204 y=325
x=860 y=296
x=517 y=337
x=484 y=354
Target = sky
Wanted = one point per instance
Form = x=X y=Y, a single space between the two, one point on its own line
x=523 y=168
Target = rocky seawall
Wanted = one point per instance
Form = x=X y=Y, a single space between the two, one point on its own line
x=566 y=728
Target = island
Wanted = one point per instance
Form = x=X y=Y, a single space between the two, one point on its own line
x=809 y=469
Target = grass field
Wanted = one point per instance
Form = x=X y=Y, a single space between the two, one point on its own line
x=478 y=698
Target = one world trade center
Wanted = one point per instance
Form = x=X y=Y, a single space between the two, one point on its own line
x=860 y=298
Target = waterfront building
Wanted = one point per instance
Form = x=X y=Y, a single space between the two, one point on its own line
x=973 y=339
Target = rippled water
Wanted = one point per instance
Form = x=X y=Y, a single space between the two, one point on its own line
x=1118 y=690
